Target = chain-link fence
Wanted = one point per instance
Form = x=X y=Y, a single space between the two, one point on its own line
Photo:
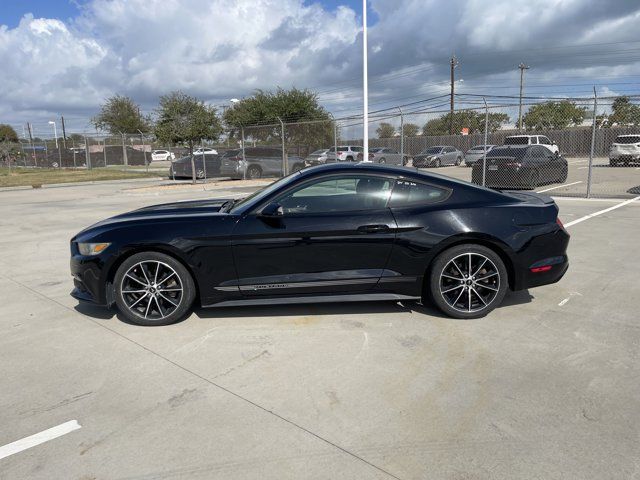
x=565 y=146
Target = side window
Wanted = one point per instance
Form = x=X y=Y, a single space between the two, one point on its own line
x=534 y=140
x=338 y=194
x=543 y=141
x=408 y=192
x=357 y=149
x=390 y=150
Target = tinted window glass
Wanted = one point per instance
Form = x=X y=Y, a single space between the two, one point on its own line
x=408 y=192
x=507 y=152
x=338 y=194
x=432 y=150
x=357 y=149
x=343 y=149
x=629 y=139
x=516 y=141
x=544 y=141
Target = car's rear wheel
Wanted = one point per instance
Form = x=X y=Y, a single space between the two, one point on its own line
x=563 y=175
x=152 y=288
x=534 y=179
x=254 y=172
x=200 y=174
x=438 y=163
x=297 y=167
x=467 y=281
x=458 y=161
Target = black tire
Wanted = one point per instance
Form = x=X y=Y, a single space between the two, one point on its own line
x=349 y=159
x=478 y=291
x=200 y=174
x=534 y=179
x=438 y=163
x=563 y=175
x=253 y=172
x=297 y=167
x=382 y=160
x=613 y=163
x=458 y=161
x=127 y=299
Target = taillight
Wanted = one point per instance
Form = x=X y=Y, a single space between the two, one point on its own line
x=514 y=164
x=559 y=222
x=545 y=268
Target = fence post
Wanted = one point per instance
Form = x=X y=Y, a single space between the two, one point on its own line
x=204 y=163
x=59 y=155
x=593 y=141
x=144 y=149
x=484 y=149
x=125 y=160
x=244 y=161
x=104 y=151
x=87 y=157
x=285 y=169
x=401 y=135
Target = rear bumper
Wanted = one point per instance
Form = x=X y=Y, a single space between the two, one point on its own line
x=548 y=250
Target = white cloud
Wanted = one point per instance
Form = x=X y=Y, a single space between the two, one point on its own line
x=219 y=49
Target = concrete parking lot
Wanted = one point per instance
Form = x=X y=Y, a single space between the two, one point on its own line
x=545 y=387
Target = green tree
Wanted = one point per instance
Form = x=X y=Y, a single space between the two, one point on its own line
x=7 y=133
x=120 y=114
x=410 y=130
x=185 y=119
x=624 y=113
x=385 y=130
x=553 y=115
x=471 y=119
x=307 y=122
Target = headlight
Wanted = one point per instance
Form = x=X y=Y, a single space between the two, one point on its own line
x=92 y=248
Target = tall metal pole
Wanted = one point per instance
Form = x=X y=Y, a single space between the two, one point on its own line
x=593 y=141
x=144 y=149
x=453 y=64
x=244 y=162
x=401 y=135
x=365 y=86
x=522 y=68
x=64 y=133
x=285 y=169
x=486 y=134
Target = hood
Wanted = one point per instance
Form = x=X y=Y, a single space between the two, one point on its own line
x=168 y=211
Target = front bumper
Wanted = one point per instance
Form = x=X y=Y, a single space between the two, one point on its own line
x=90 y=278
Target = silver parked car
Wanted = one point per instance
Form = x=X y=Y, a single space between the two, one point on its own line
x=476 y=153
x=318 y=157
x=385 y=155
x=258 y=162
x=438 y=156
x=346 y=153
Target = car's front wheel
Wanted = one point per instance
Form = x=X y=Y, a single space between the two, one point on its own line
x=467 y=281
x=254 y=172
x=152 y=288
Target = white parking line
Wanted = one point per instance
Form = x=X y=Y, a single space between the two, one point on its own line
x=591 y=215
x=559 y=186
x=38 y=438
x=577 y=161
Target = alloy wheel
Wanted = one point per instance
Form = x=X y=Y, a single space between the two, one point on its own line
x=151 y=290
x=469 y=282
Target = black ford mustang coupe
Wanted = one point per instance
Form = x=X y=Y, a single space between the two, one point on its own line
x=338 y=232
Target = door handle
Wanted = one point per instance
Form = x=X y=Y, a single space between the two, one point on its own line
x=373 y=228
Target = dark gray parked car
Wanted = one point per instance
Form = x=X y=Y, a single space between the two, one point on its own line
x=259 y=162
x=438 y=156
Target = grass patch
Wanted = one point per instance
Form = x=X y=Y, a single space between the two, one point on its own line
x=37 y=177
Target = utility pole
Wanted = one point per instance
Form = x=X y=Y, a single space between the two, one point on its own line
x=453 y=63
x=365 y=86
x=522 y=68
x=64 y=133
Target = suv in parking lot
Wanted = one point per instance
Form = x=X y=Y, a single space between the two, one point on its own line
x=532 y=140
x=625 y=150
x=346 y=153
x=259 y=162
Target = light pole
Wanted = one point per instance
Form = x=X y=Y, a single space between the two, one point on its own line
x=522 y=68
x=55 y=131
x=365 y=85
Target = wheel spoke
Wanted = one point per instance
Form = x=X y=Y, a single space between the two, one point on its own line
x=138 y=300
x=449 y=276
x=160 y=311
x=470 y=271
x=469 y=292
x=155 y=277
x=134 y=291
x=457 y=298
x=166 y=278
x=487 y=276
x=168 y=299
x=480 y=267
x=169 y=290
x=144 y=273
x=478 y=295
x=146 y=312
x=452 y=289
x=487 y=287
x=136 y=280
x=457 y=267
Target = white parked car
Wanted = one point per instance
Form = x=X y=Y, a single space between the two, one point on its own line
x=532 y=140
x=159 y=155
x=205 y=150
x=625 y=150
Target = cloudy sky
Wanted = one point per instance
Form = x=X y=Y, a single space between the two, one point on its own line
x=64 y=57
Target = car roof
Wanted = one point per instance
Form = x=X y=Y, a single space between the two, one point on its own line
x=630 y=135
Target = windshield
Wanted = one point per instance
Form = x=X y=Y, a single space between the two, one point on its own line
x=376 y=150
x=232 y=153
x=262 y=193
x=432 y=150
x=507 y=152
x=516 y=141
x=628 y=139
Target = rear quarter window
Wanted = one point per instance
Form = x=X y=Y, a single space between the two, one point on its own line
x=411 y=193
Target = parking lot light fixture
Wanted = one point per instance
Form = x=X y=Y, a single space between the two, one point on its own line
x=55 y=131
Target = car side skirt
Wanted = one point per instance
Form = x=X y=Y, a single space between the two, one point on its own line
x=364 y=297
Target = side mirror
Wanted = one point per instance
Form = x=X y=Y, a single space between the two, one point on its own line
x=272 y=210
